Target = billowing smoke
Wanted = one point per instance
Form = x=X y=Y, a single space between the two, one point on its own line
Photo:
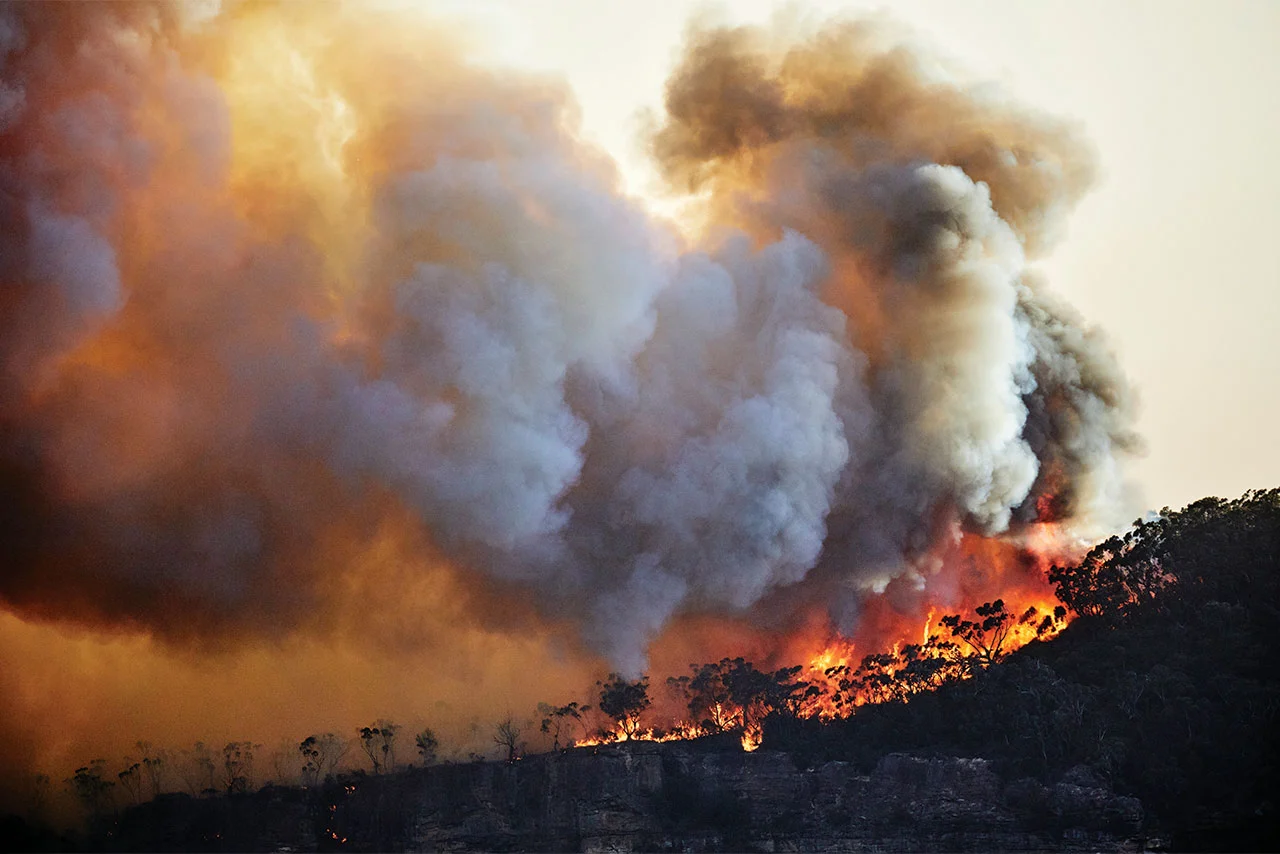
x=985 y=404
x=285 y=284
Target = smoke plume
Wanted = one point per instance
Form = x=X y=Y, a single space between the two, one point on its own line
x=284 y=285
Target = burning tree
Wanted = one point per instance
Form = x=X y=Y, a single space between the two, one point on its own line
x=985 y=637
x=760 y=693
x=988 y=636
x=733 y=694
x=624 y=702
x=1133 y=572
x=925 y=667
x=1176 y=552
x=896 y=676
x=707 y=697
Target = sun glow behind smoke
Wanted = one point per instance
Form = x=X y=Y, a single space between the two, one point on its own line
x=316 y=329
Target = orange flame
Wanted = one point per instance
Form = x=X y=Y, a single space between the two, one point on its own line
x=681 y=731
x=894 y=630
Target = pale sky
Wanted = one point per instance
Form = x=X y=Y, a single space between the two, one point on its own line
x=1174 y=254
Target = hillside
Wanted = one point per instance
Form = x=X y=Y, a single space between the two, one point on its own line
x=1167 y=685
x=1149 y=721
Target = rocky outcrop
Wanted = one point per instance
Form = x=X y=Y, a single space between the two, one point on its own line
x=670 y=797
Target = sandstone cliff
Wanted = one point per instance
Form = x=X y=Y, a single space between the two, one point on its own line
x=644 y=796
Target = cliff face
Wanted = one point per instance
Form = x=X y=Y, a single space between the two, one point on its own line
x=661 y=797
x=647 y=797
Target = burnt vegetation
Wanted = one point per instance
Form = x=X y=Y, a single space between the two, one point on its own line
x=1163 y=687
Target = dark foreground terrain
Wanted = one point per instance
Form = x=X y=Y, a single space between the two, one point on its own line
x=646 y=796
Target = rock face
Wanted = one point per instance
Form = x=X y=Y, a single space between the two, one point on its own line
x=650 y=797
x=681 y=797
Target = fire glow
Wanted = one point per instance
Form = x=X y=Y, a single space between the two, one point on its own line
x=841 y=674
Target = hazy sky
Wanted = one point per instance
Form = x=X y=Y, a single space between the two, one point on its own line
x=1174 y=253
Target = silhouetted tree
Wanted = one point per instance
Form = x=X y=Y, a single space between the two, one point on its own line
x=706 y=696
x=91 y=789
x=426 y=744
x=1116 y=575
x=624 y=702
x=1212 y=549
x=155 y=766
x=320 y=756
x=131 y=781
x=379 y=744
x=925 y=667
x=559 y=721
x=733 y=694
x=987 y=636
x=760 y=693
x=197 y=769
x=237 y=766
x=507 y=736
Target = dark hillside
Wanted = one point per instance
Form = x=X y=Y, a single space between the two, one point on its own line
x=645 y=796
x=1150 y=720
x=1167 y=686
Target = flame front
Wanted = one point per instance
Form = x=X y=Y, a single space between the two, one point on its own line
x=902 y=645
